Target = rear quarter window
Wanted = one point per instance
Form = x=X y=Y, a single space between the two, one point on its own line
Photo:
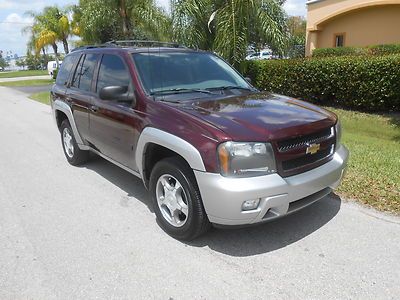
x=66 y=67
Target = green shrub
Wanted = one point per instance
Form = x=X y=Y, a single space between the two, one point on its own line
x=55 y=72
x=339 y=51
x=384 y=49
x=357 y=51
x=370 y=83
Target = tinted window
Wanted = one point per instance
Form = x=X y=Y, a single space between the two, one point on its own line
x=66 y=67
x=84 y=72
x=77 y=75
x=113 y=72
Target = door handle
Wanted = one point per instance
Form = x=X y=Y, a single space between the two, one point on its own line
x=94 y=108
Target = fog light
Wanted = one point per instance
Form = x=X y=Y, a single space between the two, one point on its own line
x=250 y=204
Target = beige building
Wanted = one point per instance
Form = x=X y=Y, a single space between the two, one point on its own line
x=337 y=23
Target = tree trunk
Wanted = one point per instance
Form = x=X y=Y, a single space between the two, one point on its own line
x=55 y=48
x=65 y=44
x=124 y=17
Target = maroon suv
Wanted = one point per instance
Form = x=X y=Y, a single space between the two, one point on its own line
x=209 y=147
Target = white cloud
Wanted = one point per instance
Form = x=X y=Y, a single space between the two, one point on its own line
x=296 y=7
x=21 y=4
x=11 y=36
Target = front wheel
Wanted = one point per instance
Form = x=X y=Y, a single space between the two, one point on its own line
x=176 y=199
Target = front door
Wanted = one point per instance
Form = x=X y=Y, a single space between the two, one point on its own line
x=114 y=125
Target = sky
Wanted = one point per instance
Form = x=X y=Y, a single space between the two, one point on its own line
x=13 y=19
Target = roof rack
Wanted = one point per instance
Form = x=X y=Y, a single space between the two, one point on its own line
x=90 y=47
x=141 y=43
x=131 y=43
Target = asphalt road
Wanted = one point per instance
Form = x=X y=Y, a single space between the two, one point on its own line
x=88 y=232
x=32 y=89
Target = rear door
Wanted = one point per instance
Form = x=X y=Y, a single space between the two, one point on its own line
x=81 y=92
x=59 y=90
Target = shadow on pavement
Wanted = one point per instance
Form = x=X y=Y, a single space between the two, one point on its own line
x=32 y=89
x=235 y=242
x=127 y=182
x=272 y=235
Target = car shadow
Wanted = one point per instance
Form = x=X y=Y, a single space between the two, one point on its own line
x=239 y=242
x=272 y=235
x=132 y=185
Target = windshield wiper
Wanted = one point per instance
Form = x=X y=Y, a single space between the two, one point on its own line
x=169 y=101
x=180 y=90
x=230 y=87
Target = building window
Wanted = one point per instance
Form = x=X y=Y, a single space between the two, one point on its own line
x=339 y=40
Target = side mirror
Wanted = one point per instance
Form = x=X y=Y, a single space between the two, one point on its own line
x=248 y=79
x=116 y=93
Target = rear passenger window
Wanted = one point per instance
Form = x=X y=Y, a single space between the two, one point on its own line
x=66 y=67
x=84 y=72
x=113 y=72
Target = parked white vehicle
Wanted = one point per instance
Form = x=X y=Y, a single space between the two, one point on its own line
x=264 y=54
x=51 y=66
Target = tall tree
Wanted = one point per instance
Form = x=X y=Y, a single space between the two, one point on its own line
x=297 y=36
x=229 y=26
x=3 y=63
x=50 y=26
x=99 y=21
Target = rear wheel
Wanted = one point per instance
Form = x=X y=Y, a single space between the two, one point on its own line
x=176 y=199
x=74 y=155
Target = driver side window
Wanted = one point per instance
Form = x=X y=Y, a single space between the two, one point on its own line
x=113 y=72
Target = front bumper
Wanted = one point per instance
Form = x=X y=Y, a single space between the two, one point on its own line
x=223 y=197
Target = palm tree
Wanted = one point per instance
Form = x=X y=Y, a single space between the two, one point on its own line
x=150 y=19
x=229 y=26
x=98 y=21
x=49 y=27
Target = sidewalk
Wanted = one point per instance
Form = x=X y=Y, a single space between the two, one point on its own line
x=24 y=78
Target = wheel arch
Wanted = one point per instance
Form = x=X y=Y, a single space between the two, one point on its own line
x=155 y=144
x=62 y=111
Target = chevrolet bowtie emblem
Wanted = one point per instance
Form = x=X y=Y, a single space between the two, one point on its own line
x=313 y=148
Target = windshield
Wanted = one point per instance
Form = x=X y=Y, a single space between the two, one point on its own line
x=164 y=72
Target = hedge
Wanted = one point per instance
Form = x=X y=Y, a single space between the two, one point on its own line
x=369 y=83
x=357 y=51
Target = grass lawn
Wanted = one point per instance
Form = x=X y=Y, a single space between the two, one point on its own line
x=42 y=97
x=28 y=82
x=23 y=73
x=373 y=175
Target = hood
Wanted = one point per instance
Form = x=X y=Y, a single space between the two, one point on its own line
x=261 y=116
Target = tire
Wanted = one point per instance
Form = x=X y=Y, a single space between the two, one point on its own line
x=175 y=222
x=74 y=155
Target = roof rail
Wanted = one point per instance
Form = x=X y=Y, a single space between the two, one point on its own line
x=91 y=47
x=130 y=43
x=141 y=43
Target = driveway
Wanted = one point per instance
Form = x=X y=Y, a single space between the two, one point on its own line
x=32 y=89
x=88 y=232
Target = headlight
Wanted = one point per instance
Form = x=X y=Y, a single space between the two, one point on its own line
x=246 y=159
x=338 y=131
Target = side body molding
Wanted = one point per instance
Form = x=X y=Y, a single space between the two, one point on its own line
x=64 y=107
x=170 y=141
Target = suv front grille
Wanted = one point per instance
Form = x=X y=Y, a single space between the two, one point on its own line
x=306 y=159
x=302 y=141
x=292 y=156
